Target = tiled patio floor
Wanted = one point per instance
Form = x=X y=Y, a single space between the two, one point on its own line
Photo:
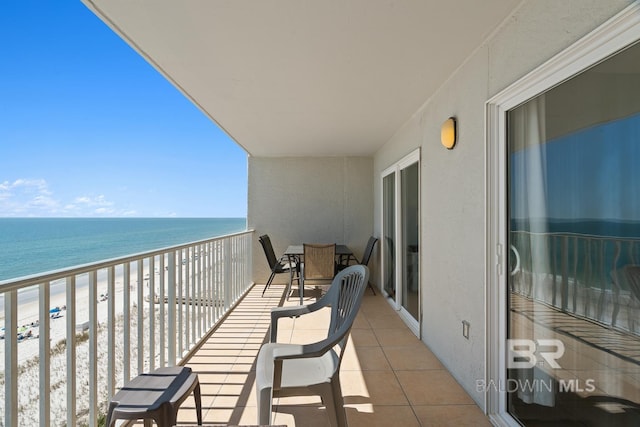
x=389 y=377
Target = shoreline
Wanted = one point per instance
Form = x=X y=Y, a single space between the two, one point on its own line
x=57 y=292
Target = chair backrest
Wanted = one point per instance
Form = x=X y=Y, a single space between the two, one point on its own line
x=319 y=261
x=366 y=256
x=265 y=241
x=345 y=297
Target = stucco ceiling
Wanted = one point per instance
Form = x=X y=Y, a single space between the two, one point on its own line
x=304 y=77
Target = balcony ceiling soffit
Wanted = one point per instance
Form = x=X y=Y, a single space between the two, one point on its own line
x=305 y=78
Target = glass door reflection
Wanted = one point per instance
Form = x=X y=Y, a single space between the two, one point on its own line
x=401 y=238
x=410 y=239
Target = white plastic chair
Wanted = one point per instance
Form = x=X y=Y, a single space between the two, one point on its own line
x=312 y=369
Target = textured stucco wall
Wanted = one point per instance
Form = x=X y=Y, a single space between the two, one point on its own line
x=453 y=189
x=319 y=199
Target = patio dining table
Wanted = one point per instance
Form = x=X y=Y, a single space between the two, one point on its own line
x=296 y=252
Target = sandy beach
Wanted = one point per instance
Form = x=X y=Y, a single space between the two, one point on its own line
x=28 y=317
x=28 y=348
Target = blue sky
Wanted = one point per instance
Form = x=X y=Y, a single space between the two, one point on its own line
x=89 y=129
x=589 y=174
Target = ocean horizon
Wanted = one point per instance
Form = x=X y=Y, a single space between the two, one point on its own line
x=37 y=245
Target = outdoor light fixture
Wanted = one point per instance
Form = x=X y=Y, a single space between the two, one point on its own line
x=448 y=133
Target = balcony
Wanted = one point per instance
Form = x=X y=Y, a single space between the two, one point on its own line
x=216 y=326
x=388 y=376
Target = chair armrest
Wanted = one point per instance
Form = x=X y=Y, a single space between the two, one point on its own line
x=302 y=351
x=295 y=351
x=316 y=349
x=289 y=351
x=279 y=312
x=296 y=311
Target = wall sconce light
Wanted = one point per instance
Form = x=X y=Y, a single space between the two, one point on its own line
x=448 y=132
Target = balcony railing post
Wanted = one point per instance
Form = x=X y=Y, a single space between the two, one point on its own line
x=11 y=358
x=172 y=308
x=111 y=341
x=179 y=284
x=126 y=320
x=152 y=313
x=226 y=262
x=93 y=348
x=206 y=264
x=140 y=304
x=161 y=298
x=45 y=352
x=187 y=302
x=71 y=350
x=218 y=279
x=199 y=278
x=194 y=302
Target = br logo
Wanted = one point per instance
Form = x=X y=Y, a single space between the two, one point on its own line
x=525 y=354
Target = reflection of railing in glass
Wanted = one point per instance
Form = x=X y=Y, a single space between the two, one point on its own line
x=580 y=274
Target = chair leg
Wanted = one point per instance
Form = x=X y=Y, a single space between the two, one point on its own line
x=329 y=403
x=332 y=399
x=289 y=285
x=371 y=287
x=264 y=406
x=197 y=396
x=301 y=290
x=338 y=401
x=110 y=421
x=273 y=274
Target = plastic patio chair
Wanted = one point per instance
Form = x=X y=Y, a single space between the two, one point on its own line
x=312 y=369
x=277 y=265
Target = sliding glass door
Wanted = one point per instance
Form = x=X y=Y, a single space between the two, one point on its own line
x=389 y=234
x=410 y=237
x=573 y=307
x=564 y=238
x=401 y=237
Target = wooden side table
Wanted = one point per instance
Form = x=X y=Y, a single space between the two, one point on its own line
x=156 y=396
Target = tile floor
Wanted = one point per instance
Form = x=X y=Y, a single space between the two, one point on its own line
x=389 y=377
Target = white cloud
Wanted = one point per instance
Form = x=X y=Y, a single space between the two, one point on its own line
x=26 y=197
x=93 y=201
x=33 y=197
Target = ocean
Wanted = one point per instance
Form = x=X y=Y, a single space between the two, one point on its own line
x=37 y=245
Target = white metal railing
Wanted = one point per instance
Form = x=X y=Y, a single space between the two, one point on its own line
x=72 y=337
x=578 y=274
